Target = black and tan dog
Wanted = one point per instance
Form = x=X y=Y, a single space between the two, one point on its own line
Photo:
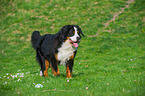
x=55 y=49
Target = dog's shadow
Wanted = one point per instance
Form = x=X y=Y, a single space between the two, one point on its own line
x=74 y=75
x=79 y=74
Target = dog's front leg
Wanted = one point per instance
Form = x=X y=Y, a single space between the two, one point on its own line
x=69 y=68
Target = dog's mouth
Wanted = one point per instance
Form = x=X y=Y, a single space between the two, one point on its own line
x=74 y=44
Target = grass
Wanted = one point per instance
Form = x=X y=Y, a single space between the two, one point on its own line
x=111 y=63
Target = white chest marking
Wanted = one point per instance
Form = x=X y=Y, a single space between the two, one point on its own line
x=65 y=52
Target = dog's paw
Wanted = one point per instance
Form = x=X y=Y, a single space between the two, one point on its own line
x=41 y=74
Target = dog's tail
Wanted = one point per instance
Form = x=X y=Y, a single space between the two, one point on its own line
x=35 y=38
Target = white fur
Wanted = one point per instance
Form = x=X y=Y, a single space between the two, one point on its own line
x=65 y=52
x=74 y=38
x=41 y=74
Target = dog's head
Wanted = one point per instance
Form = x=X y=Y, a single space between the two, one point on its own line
x=73 y=33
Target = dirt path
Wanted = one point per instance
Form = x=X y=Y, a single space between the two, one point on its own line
x=114 y=17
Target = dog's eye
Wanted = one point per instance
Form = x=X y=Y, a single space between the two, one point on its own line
x=71 y=33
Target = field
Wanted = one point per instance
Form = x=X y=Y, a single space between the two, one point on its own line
x=110 y=59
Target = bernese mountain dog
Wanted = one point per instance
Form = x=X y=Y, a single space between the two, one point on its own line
x=55 y=49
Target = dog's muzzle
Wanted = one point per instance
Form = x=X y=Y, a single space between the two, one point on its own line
x=75 y=44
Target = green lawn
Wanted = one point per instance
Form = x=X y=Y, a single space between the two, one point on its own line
x=111 y=63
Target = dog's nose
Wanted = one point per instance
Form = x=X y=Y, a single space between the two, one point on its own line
x=78 y=38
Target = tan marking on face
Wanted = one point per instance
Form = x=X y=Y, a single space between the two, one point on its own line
x=67 y=39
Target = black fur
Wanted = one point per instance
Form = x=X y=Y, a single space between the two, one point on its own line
x=46 y=46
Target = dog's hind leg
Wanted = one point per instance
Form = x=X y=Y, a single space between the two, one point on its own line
x=54 y=68
x=47 y=64
x=41 y=61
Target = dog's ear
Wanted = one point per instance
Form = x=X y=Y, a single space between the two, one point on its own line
x=80 y=31
x=64 y=32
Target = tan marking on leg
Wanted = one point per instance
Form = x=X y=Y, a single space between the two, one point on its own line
x=56 y=57
x=58 y=73
x=68 y=74
x=72 y=56
x=46 y=68
x=54 y=72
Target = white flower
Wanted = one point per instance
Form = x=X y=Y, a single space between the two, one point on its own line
x=67 y=80
x=22 y=75
x=18 y=80
x=15 y=75
x=41 y=73
x=12 y=76
x=87 y=88
x=7 y=74
x=5 y=82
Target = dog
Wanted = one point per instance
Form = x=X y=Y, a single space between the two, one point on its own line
x=57 y=49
